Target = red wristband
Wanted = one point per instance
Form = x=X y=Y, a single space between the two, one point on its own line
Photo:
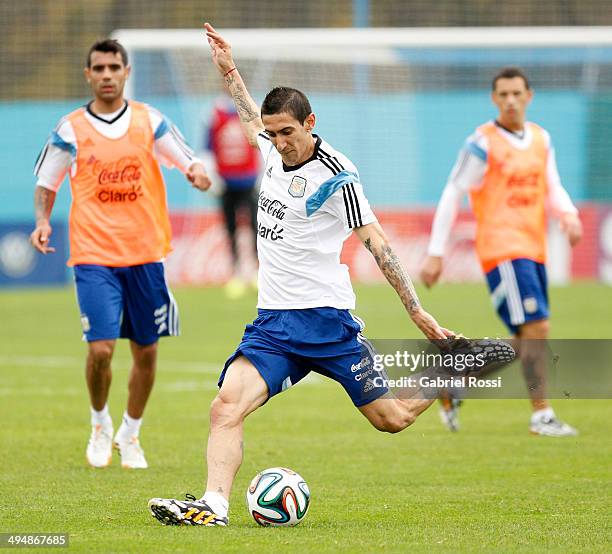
x=232 y=69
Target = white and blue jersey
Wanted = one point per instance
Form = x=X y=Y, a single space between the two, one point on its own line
x=305 y=214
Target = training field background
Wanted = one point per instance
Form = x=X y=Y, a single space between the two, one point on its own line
x=492 y=486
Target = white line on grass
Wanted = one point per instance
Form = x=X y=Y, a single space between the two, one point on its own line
x=50 y=362
x=168 y=367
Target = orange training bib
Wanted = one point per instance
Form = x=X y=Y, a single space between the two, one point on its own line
x=119 y=213
x=509 y=206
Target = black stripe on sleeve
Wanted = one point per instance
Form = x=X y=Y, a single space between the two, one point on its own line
x=181 y=143
x=332 y=159
x=346 y=207
x=336 y=164
x=41 y=158
x=352 y=204
x=180 y=138
x=264 y=136
x=325 y=162
x=351 y=187
x=352 y=215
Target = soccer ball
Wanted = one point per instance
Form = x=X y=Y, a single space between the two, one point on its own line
x=278 y=497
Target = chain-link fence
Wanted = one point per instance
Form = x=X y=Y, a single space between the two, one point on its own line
x=44 y=41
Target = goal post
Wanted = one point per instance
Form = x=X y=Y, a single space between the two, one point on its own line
x=400 y=102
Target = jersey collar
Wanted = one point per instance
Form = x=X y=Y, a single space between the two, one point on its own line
x=518 y=134
x=108 y=121
x=288 y=168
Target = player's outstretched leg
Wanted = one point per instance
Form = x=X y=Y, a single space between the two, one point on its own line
x=391 y=414
x=243 y=391
x=394 y=412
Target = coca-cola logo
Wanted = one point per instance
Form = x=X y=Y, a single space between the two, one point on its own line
x=129 y=174
x=272 y=206
x=523 y=180
x=124 y=171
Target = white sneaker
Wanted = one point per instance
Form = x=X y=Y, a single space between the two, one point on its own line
x=449 y=413
x=132 y=454
x=100 y=446
x=548 y=426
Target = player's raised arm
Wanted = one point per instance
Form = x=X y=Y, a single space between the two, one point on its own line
x=248 y=110
x=374 y=239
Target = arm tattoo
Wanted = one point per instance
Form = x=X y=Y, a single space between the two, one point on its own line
x=392 y=269
x=243 y=102
x=43 y=202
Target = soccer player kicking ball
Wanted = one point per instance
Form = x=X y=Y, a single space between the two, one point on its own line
x=310 y=201
x=508 y=168
x=119 y=236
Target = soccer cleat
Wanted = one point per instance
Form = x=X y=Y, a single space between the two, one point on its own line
x=100 y=446
x=550 y=426
x=132 y=454
x=169 y=511
x=449 y=413
x=490 y=353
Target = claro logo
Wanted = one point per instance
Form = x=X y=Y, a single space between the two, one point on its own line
x=119 y=180
x=113 y=195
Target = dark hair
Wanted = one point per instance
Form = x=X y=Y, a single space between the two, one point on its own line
x=510 y=73
x=288 y=100
x=108 y=45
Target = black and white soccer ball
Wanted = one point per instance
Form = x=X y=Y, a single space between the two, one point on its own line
x=278 y=497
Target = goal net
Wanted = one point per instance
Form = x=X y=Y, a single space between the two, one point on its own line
x=399 y=103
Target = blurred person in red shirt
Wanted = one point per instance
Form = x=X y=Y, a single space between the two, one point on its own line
x=237 y=164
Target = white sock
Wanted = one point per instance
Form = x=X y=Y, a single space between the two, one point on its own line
x=546 y=413
x=130 y=427
x=102 y=417
x=217 y=503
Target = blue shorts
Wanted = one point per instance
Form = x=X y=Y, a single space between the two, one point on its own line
x=286 y=345
x=128 y=302
x=519 y=292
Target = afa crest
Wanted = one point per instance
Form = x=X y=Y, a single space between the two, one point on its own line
x=297 y=188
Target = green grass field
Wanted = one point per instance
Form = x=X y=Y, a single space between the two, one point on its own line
x=491 y=487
